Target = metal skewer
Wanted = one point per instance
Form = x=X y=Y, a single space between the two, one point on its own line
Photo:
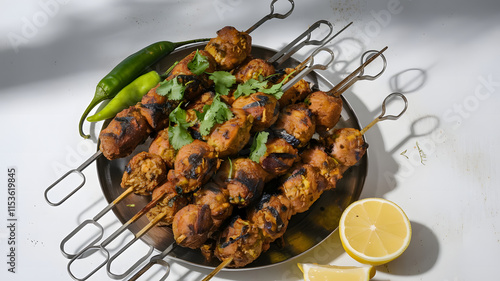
x=294 y=46
x=303 y=70
x=91 y=248
x=358 y=74
x=287 y=52
x=271 y=15
x=93 y=221
x=382 y=115
x=139 y=234
x=76 y=171
x=158 y=259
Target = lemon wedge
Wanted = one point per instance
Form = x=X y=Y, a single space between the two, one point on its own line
x=374 y=231
x=316 y=272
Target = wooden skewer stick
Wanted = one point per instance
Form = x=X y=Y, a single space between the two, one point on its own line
x=218 y=268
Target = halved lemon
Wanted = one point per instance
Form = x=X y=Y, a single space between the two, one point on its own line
x=316 y=272
x=374 y=231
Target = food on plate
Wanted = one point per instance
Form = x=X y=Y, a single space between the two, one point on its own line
x=279 y=157
x=262 y=107
x=162 y=147
x=296 y=124
x=194 y=164
x=144 y=172
x=326 y=110
x=230 y=48
x=124 y=133
x=298 y=92
x=254 y=69
x=170 y=204
x=347 y=146
x=228 y=136
x=232 y=135
x=241 y=241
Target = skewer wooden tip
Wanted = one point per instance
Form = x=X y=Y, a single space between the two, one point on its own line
x=223 y=264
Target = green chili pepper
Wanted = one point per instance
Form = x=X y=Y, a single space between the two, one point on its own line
x=128 y=70
x=128 y=96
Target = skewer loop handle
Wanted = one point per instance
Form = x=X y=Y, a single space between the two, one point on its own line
x=364 y=58
x=75 y=231
x=133 y=267
x=158 y=259
x=92 y=250
x=294 y=46
x=272 y=15
x=77 y=171
x=310 y=67
x=382 y=115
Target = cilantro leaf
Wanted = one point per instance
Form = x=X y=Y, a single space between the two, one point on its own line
x=178 y=135
x=179 y=116
x=258 y=148
x=198 y=64
x=249 y=87
x=217 y=112
x=223 y=81
x=172 y=89
x=276 y=89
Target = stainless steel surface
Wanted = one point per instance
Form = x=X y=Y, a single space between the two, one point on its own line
x=305 y=230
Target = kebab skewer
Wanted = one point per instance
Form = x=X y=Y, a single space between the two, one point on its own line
x=244 y=240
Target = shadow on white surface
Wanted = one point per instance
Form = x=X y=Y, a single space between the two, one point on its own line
x=420 y=256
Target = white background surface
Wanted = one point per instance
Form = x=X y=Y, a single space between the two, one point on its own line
x=442 y=55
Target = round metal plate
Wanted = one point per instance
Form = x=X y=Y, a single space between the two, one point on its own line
x=305 y=230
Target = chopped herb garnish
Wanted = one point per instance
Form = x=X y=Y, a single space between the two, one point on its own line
x=249 y=87
x=217 y=112
x=179 y=135
x=404 y=154
x=131 y=205
x=421 y=154
x=172 y=89
x=275 y=90
x=259 y=148
x=198 y=64
x=223 y=81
